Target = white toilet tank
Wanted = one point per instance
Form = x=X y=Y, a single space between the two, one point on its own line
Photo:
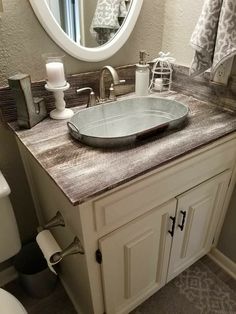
x=9 y=235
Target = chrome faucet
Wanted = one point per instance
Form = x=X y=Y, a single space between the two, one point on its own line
x=115 y=81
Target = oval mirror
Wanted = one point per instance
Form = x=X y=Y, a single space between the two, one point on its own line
x=89 y=30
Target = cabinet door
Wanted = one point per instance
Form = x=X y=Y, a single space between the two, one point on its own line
x=198 y=213
x=135 y=259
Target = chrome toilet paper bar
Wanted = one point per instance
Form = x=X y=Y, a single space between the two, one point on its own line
x=74 y=248
x=56 y=221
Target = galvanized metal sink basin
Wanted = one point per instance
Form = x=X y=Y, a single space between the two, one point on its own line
x=125 y=121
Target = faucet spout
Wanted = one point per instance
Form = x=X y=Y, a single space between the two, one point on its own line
x=115 y=80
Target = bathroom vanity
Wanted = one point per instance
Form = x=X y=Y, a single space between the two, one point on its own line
x=143 y=213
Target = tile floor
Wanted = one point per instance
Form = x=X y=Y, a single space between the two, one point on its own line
x=204 y=288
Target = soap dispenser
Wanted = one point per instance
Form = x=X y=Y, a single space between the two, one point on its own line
x=142 y=75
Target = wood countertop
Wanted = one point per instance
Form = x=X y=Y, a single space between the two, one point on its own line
x=83 y=172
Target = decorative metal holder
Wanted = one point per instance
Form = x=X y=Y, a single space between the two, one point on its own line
x=30 y=110
x=61 y=112
x=162 y=73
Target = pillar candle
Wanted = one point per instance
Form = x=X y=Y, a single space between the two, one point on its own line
x=55 y=74
x=158 y=84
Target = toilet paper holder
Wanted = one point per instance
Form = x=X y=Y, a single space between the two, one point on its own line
x=74 y=248
x=56 y=221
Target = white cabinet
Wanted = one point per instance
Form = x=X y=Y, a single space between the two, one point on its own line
x=197 y=216
x=135 y=259
x=140 y=257
x=130 y=226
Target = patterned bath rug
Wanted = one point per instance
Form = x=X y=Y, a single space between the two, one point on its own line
x=205 y=290
x=197 y=290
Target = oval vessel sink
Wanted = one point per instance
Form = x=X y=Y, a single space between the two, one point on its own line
x=125 y=121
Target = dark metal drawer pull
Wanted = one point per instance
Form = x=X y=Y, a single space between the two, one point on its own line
x=183 y=212
x=171 y=232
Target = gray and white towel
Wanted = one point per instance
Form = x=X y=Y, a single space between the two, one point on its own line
x=108 y=16
x=214 y=38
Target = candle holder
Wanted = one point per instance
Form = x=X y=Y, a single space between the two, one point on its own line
x=61 y=112
x=162 y=73
x=57 y=84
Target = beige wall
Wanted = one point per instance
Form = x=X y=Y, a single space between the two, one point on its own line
x=12 y=168
x=89 y=9
x=23 y=41
x=180 y=19
x=227 y=243
x=234 y=67
x=162 y=25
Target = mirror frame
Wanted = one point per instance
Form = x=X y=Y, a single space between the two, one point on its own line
x=95 y=54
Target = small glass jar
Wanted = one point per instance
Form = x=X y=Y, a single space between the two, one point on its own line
x=55 y=70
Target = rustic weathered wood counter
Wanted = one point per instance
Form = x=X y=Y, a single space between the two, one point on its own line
x=83 y=172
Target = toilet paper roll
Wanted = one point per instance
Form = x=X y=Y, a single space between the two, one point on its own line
x=48 y=246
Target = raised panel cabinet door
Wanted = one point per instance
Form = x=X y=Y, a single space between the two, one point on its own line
x=198 y=212
x=135 y=259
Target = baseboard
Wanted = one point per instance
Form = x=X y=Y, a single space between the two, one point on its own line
x=7 y=275
x=223 y=261
x=71 y=297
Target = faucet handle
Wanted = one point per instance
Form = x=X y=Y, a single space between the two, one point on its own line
x=91 y=96
x=112 y=95
x=92 y=99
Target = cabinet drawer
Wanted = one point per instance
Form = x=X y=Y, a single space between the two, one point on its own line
x=127 y=203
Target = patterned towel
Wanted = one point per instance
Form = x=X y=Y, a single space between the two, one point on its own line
x=106 y=20
x=214 y=37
